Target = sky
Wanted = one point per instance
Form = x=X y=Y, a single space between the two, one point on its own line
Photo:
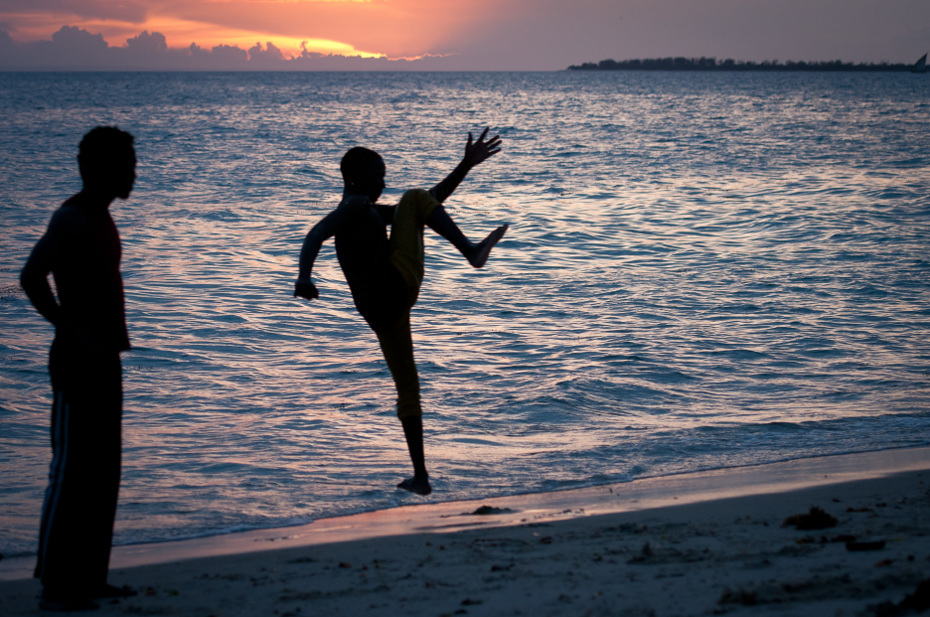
x=450 y=34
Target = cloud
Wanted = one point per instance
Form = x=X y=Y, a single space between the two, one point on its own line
x=71 y=42
x=7 y=47
x=269 y=57
x=219 y=58
x=73 y=48
x=146 y=43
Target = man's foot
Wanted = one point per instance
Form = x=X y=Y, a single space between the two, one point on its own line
x=112 y=591
x=420 y=486
x=483 y=249
x=65 y=603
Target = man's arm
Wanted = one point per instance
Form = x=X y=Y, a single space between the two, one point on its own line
x=475 y=153
x=54 y=247
x=320 y=232
x=34 y=280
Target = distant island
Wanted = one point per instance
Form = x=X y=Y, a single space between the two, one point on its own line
x=712 y=64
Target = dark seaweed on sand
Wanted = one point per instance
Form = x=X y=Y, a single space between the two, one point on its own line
x=815 y=519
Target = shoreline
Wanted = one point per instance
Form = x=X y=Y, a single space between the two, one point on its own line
x=694 y=544
x=529 y=508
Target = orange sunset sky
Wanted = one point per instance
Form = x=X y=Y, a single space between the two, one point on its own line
x=488 y=34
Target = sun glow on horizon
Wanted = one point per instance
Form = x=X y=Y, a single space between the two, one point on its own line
x=208 y=36
x=182 y=33
x=369 y=29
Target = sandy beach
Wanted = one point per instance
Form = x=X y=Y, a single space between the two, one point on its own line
x=845 y=535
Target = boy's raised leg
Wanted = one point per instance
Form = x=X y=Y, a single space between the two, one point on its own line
x=476 y=254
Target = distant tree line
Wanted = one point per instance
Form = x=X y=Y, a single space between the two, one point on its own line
x=712 y=64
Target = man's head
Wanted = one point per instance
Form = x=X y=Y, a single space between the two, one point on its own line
x=107 y=161
x=363 y=172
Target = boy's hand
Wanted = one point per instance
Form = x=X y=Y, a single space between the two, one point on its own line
x=480 y=151
x=303 y=288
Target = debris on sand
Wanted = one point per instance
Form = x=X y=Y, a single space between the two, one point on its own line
x=815 y=519
x=486 y=510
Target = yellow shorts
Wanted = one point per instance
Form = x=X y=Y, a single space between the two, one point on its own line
x=407 y=256
x=407 y=237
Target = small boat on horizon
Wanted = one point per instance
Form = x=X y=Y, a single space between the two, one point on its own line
x=921 y=65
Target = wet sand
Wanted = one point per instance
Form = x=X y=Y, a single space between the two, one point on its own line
x=695 y=544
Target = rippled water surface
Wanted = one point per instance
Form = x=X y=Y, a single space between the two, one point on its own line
x=703 y=270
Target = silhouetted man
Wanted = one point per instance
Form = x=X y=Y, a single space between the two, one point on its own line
x=384 y=274
x=81 y=249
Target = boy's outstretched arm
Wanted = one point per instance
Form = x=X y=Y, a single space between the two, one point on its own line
x=476 y=152
x=303 y=286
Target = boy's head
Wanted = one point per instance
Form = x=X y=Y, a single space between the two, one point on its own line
x=363 y=172
x=107 y=161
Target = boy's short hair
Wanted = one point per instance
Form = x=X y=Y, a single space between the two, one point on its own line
x=101 y=149
x=358 y=162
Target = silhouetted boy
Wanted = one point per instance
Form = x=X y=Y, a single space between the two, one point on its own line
x=81 y=249
x=384 y=274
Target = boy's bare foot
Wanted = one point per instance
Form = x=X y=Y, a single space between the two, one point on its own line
x=483 y=249
x=420 y=486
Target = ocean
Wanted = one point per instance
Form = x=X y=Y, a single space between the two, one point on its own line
x=703 y=270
